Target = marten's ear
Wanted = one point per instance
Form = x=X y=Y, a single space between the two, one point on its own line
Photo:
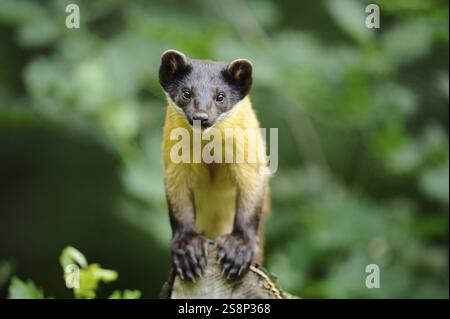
x=239 y=75
x=174 y=66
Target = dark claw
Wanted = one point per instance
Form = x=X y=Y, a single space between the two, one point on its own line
x=232 y=272
x=180 y=272
x=225 y=267
x=198 y=271
x=203 y=263
x=190 y=276
x=220 y=255
x=241 y=269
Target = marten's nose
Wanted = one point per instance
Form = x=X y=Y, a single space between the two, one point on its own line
x=200 y=116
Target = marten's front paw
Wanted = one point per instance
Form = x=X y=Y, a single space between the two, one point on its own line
x=189 y=252
x=235 y=253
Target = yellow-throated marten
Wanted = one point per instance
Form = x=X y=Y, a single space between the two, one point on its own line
x=220 y=201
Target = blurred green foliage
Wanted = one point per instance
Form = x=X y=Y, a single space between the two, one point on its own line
x=24 y=290
x=80 y=276
x=363 y=138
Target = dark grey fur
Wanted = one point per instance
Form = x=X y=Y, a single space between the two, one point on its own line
x=205 y=80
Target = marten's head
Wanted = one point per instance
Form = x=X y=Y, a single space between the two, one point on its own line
x=204 y=90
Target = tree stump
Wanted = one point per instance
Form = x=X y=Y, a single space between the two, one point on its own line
x=256 y=283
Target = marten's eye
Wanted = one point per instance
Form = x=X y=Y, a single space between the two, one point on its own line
x=187 y=94
x=220 y=97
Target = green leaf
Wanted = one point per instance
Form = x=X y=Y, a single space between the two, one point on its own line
x=400 y=48
x=350 y=16
x=90 y=277
x=24 y=290
x=434 y=183
x=126 y=294
x=71 y=255
x=104 y=275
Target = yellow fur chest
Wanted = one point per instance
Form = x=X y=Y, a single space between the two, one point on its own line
x=212 y=187
x=214 y=198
